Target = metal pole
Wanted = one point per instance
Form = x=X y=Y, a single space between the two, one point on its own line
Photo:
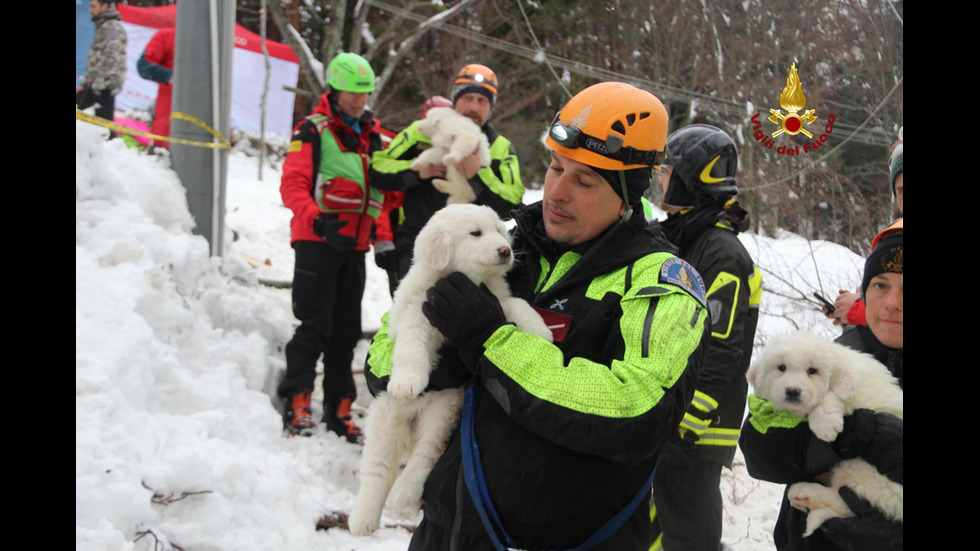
x=202 y=89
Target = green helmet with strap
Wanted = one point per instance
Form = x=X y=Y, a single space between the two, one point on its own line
x=350 y=73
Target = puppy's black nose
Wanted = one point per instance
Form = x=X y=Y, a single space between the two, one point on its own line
x=792 y=394
x=503 y=252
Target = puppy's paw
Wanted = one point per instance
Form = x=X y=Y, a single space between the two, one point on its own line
x=407 y=386
x=798 y=497
x=360 y=524
x=406 y=496
x=527 y=319
x=441 y=185
x=541 y=330
x=537 y=327
x=826 y=427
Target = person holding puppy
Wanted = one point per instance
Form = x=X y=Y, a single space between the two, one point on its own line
x=699 y=190
x=780 y=448
x=558 y=441
x=473 y=95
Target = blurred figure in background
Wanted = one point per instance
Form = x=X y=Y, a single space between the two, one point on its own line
x=156 y=63
x=848 y=306
x=105 y=68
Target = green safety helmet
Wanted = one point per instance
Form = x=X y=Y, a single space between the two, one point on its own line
x=350 y=73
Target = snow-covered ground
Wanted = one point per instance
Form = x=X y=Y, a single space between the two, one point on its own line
x=177 y=442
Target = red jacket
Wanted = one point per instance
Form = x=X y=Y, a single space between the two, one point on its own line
x=301 y=165
x=160 y=51
x=389 y=219
x=856 y=315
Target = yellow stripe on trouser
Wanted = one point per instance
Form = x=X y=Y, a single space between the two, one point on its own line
x=657 y=541
x=719 y=437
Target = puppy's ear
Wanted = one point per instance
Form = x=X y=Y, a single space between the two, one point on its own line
x=750 y=374
x=434 y=246
x=842 y=382
x=502 y=229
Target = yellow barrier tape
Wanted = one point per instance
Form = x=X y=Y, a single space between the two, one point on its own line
x=222 y=143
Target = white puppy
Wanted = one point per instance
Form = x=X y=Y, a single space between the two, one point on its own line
x=823 y=381
x=454 y=137
x=403 y=427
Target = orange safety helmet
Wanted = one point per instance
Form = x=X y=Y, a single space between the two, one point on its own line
x=897 y=226
x=475 y=78
x=612 y=126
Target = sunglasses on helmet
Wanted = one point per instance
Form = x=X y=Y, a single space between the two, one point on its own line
x=572 y=137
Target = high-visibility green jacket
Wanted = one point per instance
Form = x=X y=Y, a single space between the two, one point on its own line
x=498 y=186
x=569 y=432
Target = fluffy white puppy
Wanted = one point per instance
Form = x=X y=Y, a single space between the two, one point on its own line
x=404 y=427
x=454 y=137
x=823 y=381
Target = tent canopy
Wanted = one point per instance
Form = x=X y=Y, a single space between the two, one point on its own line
x=248 y=71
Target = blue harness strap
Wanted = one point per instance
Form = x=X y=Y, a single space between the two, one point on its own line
x=476 y=484
x=473 y=474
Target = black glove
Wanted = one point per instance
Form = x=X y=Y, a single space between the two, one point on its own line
x=326 y=228
x=869 y=529
x=385 y=256
x=878 y=438
x=466 y=314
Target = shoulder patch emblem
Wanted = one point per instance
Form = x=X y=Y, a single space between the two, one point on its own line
x=678 y=272
x=294 y=146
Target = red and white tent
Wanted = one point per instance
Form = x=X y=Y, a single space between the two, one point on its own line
x=248 y=72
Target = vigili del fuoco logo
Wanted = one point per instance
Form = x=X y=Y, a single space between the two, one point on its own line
x=792 y=100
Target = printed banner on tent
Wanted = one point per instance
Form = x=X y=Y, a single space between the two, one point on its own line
x=248 y=72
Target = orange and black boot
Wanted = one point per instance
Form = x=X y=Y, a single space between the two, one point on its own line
x=297 y=417
x=340 y=421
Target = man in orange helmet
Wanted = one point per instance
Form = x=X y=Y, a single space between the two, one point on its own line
x=473 y=94
x=558 y=441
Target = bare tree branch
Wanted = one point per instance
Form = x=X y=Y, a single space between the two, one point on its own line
x=158 y=545
x=166 y=499
x=307 y=62
x=406 y=46
x=333 y=32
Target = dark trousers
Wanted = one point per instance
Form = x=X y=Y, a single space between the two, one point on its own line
x=106 y=101
x=688 y=498
x=327 y=291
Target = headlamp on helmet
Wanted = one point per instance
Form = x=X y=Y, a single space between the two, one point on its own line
x=475 y=78
x=611 y=126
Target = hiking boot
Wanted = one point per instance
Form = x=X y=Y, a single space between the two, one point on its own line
x=297 y=418
x=340 y=421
